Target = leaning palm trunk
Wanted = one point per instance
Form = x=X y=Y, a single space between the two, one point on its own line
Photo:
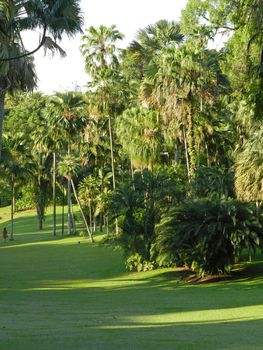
x=81 y=210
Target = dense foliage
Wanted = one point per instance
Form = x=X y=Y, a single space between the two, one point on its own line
x=168 y=134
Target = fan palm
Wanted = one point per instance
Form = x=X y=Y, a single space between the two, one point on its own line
x=139 y=131
x=55 y=17
x=249 y=168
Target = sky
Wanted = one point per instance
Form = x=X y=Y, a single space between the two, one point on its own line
x=61 y=74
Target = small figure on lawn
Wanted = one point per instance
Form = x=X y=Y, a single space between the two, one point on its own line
x=4 y=234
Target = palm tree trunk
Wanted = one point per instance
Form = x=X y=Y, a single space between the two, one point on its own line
x=69 y=206
x=2 y=102
x=12 y=210
x=112 y=169
x=186 y=154
x=112 y=155
x=81 y=210
x=90 y=217
x=101 y=223
x=54 y=195
x=94 y=223
x=63 y=212
x=73 y=221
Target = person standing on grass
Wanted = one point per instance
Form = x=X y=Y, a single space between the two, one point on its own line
x=4 y=234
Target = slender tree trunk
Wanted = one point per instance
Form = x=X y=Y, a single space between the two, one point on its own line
x=63 y=212
x=112 y=155
x=94 y=223
x=69 y=206
x=107 y=224
x=186 y=154
x=90 y=217
x=54 y=195
x=101 y=223
x=73 y=221
x=2 y=102
x=12 y=209
x=69 y=192
x=207 y=155
x=113 y=169
x=132 y=176
x=81 y=210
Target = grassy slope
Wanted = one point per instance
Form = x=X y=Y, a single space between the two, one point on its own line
x=58 y=294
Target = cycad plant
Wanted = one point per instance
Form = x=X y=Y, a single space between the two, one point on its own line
x=207 y=235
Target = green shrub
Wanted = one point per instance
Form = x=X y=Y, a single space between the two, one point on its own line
x=209 y=235
x=138 y=207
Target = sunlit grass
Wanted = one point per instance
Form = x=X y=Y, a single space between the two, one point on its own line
x=66 y=293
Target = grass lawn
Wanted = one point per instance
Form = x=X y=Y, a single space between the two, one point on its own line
x=59 y=294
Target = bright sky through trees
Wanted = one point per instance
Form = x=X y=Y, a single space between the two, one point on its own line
x=67 y=73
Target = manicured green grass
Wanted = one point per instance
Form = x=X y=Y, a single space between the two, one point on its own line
x=59 y=294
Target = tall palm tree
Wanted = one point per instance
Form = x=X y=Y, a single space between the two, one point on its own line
x=101 y=63
x=68 y=120
x=49 y=136
x=17 y=69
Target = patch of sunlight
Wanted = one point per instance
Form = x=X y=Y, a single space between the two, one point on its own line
x=216 y=316
x=45 y=241
x=84 y=284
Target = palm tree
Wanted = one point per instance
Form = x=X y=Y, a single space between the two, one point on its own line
x=69 y=167
x=98 y=48
x=151 y=40
x=249 y=168
x=14 y=167
x=139 y=131
x=17 y=69
x=55 y=18
x=49 y=136
x=66 y=118
x=101 y=63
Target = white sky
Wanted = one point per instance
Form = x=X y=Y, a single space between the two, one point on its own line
x=59 y=74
